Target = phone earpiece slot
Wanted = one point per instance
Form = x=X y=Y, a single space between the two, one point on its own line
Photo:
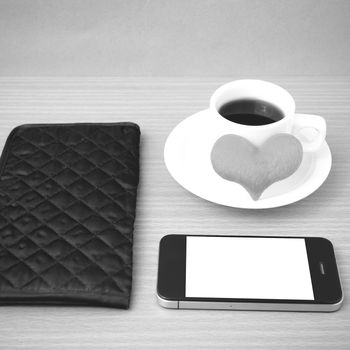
x=322 y=268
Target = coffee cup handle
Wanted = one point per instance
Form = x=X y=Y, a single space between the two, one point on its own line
x=310 y=130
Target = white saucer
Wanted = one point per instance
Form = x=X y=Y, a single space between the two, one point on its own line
x=192 y=169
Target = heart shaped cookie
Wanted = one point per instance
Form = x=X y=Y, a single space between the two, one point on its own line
x=256 y=168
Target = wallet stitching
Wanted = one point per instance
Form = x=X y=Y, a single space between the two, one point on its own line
x=3 y=162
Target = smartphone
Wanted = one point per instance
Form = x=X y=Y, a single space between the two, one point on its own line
x=248 y=273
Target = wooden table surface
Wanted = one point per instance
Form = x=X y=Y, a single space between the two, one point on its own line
x=164 y=207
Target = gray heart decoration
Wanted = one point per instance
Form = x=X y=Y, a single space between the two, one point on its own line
x=256 y=168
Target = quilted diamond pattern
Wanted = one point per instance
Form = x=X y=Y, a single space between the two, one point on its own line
x=67 y=210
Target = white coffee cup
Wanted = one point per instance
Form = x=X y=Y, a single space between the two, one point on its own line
x=309 y=129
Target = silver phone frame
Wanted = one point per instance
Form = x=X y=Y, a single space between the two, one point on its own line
x=253 y=306
x=218 y=305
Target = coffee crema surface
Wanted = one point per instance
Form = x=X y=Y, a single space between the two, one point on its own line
x=251 y=112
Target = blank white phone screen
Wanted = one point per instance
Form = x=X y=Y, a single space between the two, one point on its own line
x=247 y=268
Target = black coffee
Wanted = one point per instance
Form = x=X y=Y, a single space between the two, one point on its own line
x=251 y=112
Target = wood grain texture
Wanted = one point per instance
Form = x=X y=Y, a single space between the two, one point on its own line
x=157 y=105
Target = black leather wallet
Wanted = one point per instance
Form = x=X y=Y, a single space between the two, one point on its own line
x=67 y=210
